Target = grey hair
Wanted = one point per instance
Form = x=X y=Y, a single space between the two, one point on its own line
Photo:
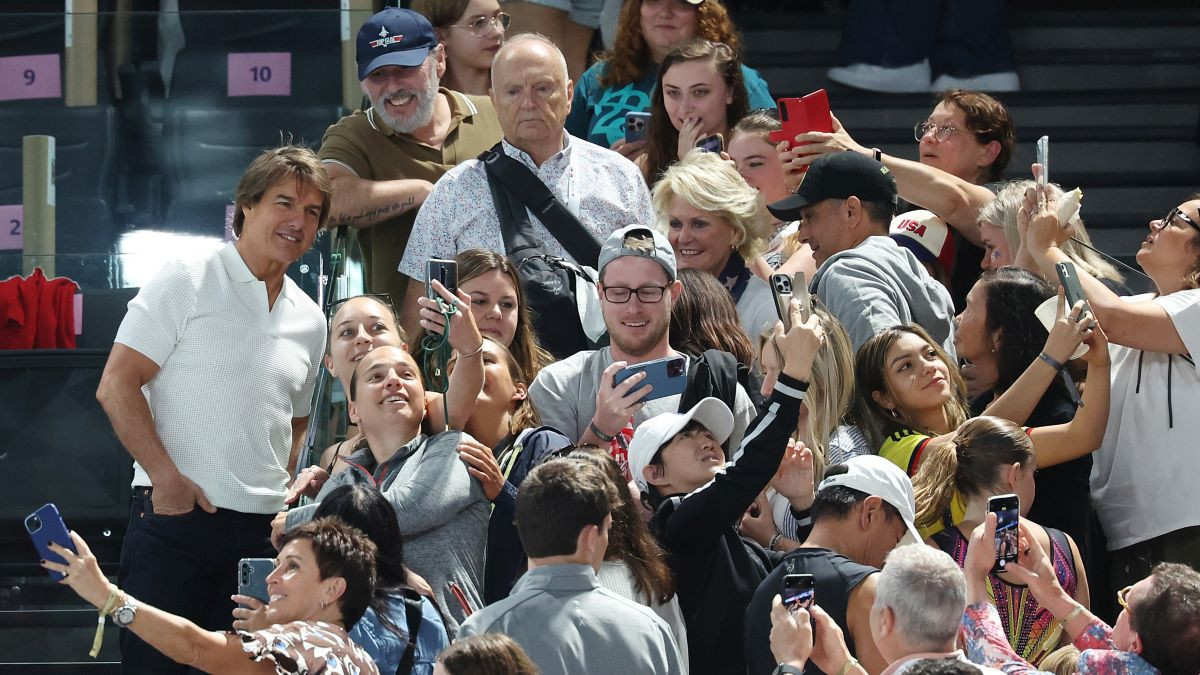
x=927 y=594
x=530 y=37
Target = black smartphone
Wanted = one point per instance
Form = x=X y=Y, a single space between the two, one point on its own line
x=44 y=527
x=1008 y=513
x=667 y=376
x=714 y=143
x=1069 y=279
x=445 y=271
x=637 y=124
x=252 y=577
x=799 y=591
x=781 y=287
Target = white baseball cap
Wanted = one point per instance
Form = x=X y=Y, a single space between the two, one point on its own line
x=650 y=436
x=926 y=235
x=877 y=476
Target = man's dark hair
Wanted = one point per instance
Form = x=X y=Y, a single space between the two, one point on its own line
x=838 y=501
x=1168 y=620
x=879 y=212
x=341 y=551
x=557 y=500
x=941 y=667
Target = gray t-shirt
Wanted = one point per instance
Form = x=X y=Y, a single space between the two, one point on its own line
x=564 y=394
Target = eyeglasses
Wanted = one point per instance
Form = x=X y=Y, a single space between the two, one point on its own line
x=384 y=299
x=1172 y=215
x=940 y=131
x=480 y=26
x=646 y=294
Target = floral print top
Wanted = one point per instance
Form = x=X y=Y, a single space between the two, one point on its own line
x=308 y=648
x=987 y=645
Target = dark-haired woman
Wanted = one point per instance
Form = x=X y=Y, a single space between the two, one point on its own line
x=634 y=565
x=386 y=630
x=486 y=654
x=623 y=80
x=997 y=334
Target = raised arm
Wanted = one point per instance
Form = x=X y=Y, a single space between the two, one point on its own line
x=1144 y=325
x=952 y=199
x=1083 y=434
x=359 y=202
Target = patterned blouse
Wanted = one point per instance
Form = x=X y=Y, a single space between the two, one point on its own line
x=1032 y=630
x=988 y=646
x=308 y=648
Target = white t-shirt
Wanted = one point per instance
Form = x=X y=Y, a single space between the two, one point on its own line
x=1144 y=474
x=231 y=377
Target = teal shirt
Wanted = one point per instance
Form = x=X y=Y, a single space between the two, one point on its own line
x=598 y=113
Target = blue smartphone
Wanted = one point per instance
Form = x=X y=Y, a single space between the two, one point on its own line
x=637 y=125
x=252 y=577
x=667 y=376
x=45 y=526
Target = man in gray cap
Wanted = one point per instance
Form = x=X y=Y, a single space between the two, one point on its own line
x=383 y=161
x=867 y=281
x=579 y=396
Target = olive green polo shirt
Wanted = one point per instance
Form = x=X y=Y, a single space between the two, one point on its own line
x=365 y=145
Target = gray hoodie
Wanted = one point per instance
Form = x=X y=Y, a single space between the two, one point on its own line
x=879 y=284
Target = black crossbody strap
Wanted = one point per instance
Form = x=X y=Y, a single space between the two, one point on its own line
x=533 y=193
x=515 y=227
x=412 y=618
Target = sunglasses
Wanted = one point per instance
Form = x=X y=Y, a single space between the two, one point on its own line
x=384 y=299
x=1123 y=597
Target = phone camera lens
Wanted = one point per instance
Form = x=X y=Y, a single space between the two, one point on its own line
x=35 y=523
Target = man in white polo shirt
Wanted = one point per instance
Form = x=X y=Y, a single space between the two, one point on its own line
x=208 y=386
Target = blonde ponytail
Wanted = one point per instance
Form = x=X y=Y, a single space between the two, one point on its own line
x=934 y=485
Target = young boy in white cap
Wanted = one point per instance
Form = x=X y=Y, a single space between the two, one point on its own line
x=677 y=461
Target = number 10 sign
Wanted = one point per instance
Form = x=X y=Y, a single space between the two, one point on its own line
x=260 y=74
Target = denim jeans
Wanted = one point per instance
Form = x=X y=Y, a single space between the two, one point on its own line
x=961 y=38
x=185 y=565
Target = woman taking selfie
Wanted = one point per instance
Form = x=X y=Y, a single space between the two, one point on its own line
x=322 y=584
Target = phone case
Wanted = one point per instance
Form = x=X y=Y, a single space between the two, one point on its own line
x=1043 y=158
x=637 y=125
x=668 y=376
x=800 y=293
x=252 y=577
x=1070 y=283
x=44 y=526
x=794 y=117
x=445 y=271
x=714 y=143
x=781 y=287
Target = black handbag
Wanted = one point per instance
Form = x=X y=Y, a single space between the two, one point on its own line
x=550 y=282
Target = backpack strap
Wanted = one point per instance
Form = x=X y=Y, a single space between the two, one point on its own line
x=530 y=191
x=412 y=617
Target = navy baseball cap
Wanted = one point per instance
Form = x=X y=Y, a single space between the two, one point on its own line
x=394 y=37
x=838 y=175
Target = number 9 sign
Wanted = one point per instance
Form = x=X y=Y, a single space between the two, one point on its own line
x=33 y=76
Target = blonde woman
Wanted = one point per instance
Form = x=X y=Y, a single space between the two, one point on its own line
x=1003 y=235
x=716 y=223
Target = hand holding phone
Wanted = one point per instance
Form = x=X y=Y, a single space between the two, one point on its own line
x=799 y=591
x=802 y=115
x=781 y=287
x=1008 y=514
x=45 y=526
x=252 y=578
x=666 y=376
x=1069 y=279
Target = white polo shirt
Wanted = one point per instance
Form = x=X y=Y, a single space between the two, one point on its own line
x=1144 y=474
x=232 y=374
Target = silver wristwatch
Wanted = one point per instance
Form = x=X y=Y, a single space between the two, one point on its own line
x=123 y=616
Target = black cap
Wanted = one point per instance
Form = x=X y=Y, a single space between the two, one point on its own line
x=837 y=176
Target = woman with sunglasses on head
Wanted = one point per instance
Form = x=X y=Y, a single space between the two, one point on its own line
x=362 y=323
x=624 y=77
x=472 y=32
x=1146 y=466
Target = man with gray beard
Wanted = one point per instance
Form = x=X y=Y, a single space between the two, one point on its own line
x=383 y=161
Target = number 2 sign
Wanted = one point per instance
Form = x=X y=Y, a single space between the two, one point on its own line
x=12 y=237
x=34 y=76
x=260 y=74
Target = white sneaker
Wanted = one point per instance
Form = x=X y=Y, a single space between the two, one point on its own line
x=990 y=82
x=904 y=80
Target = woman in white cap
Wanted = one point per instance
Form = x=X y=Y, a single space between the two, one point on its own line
x=678 y=463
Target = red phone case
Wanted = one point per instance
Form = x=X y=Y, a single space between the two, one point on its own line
x=801 y=115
